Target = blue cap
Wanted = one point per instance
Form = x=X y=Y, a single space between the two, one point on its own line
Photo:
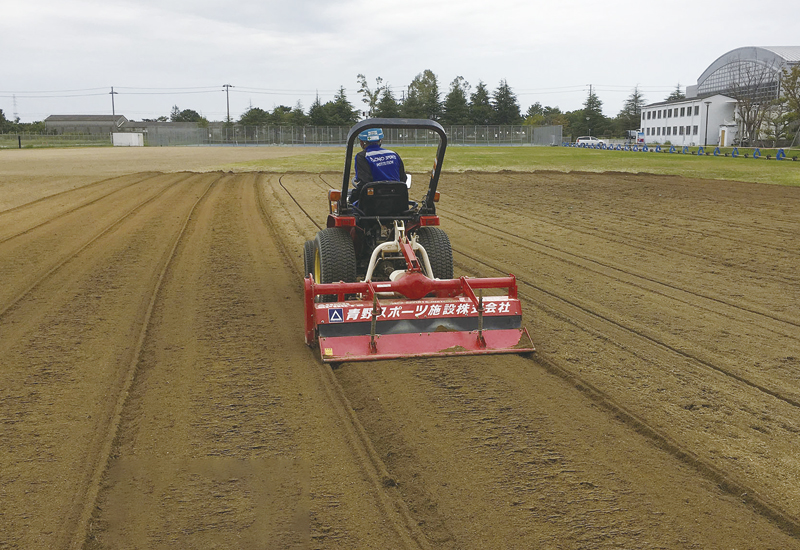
x=373 y=134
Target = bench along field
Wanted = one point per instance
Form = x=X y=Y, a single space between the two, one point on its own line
x=156 y=390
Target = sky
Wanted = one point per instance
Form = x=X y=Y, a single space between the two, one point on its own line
x=64 y=56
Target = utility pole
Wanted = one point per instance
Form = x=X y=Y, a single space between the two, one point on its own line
x=113 y=93
x=228 y=99
x=589 y=103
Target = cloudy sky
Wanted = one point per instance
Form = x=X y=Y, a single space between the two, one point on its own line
x=63 y=56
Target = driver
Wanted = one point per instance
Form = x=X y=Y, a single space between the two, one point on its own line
x=373 y=163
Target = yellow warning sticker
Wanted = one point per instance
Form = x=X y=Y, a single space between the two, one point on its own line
x=328 y=352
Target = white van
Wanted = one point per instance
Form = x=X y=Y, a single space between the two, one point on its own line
x=589 y=140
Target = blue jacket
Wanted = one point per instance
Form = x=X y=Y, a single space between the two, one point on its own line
x=377 y=164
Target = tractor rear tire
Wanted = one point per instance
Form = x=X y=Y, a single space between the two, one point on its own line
x=437 y=244
x=334 y=259
x=308 y=258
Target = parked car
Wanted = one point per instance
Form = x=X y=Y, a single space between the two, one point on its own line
x=589 y=140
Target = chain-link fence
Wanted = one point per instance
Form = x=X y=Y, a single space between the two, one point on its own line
x=235 y=135
x=14 y=141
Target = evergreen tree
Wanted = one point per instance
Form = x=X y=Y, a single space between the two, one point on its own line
x=480 y=106
x=676 y=94
x=456 y=104
x=535 y=110
x=316 y=114
x=630 y=117
x=298 y=117
x=594 y=122
x=342 y=112
x=506 y=107
x=387 y=106
x=412 y=105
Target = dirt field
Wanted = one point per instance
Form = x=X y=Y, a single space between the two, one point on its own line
x=155 y=390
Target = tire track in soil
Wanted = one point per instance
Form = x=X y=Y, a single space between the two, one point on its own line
x=626 y=275
x=574 y=309
x=729 y=214
x=575 y=313
x=28 y=256
x=405 y=523
x=582 y=318
x=62 y=194
x=34 y=210
x=218 y=439
x=62 y=347
x=633 y=238
x=104 y=454
x=683 y=223
x=389 y=439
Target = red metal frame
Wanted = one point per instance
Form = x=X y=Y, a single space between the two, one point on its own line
x=415 y=290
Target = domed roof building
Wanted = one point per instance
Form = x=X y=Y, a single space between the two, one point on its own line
x=728 y=105
x=754 y=70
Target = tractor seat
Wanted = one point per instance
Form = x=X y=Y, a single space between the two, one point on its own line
x=383 y=198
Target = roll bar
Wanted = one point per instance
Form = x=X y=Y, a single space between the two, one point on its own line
x=405 y=123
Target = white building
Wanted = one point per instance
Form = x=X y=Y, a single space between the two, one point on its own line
x=693 y=122
x=708 y=115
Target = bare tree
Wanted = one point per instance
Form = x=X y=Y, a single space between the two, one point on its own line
x=370 y=96
x=754 y=86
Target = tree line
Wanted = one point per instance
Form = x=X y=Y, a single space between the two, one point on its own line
x=421 y=99
x=460 y=105
x=464 y=105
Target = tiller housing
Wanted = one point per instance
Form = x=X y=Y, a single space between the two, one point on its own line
x=413 y=314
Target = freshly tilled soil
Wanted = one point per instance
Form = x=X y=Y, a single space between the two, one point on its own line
x=155 y=390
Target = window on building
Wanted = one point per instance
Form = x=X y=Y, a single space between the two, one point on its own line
x=674 y=130
x=681 y=130
x=648 y=115
x=669 y=133
x=683 y=111
x=658 y=131
x=659 y=113
x=694 y=130
x=696 y=112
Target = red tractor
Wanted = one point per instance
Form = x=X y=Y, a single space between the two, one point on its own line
x=379 y=279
